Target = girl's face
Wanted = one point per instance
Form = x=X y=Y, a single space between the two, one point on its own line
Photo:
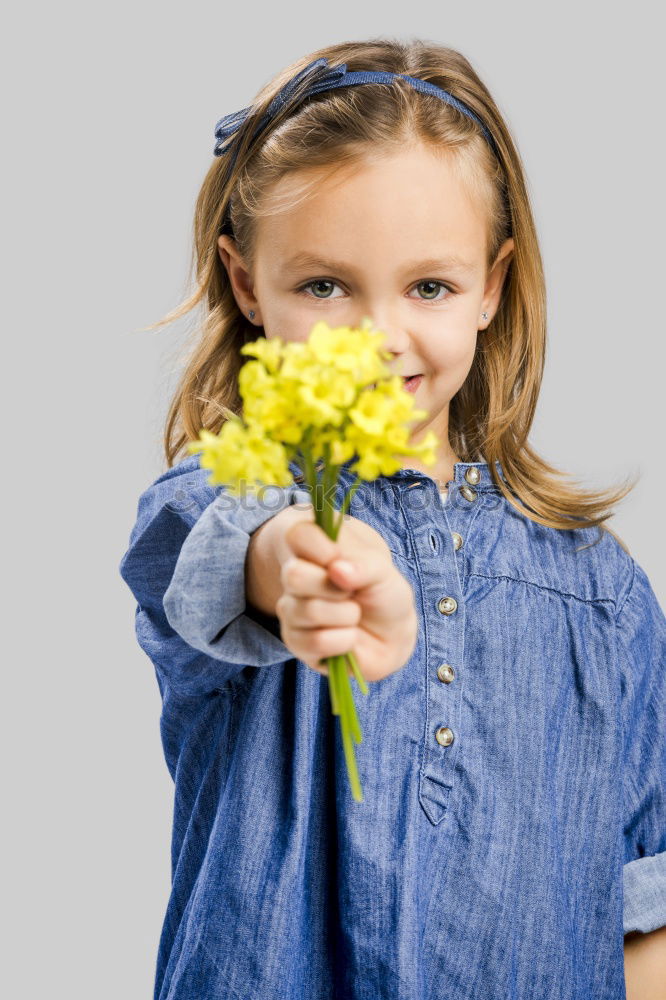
x=395 y=239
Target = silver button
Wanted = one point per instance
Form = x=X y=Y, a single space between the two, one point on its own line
x=444 y=736
x=445 y=672
x=457 y=540
x=472 y=476
x=468 y=492
x=447 y=605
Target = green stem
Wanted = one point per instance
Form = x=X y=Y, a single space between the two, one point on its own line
x=311 y=477
x=351 y=717
x=330 y=483
x=348 y=728
x=339 y=682
x=332 y=689
x=360 y=679
x=325 y=484
x=345 y=506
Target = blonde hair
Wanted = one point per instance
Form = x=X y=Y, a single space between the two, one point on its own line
x=491 y=415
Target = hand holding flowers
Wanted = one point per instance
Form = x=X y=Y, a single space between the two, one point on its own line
x=343 y=595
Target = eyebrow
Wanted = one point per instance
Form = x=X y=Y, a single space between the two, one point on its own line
x=450 y=262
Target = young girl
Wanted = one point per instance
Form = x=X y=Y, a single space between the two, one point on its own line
x=513 y=827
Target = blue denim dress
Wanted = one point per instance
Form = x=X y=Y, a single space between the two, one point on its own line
x=513 y=827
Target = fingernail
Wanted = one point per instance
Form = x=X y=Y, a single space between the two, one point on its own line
x=345 y=566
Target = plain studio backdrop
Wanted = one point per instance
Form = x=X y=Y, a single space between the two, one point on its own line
x=108 y=115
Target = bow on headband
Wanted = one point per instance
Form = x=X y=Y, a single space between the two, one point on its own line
x=312 y=80
x=317 y=81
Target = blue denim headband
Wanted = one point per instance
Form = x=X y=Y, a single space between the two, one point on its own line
x=315 y=82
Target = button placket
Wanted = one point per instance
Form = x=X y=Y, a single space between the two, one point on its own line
x=443 y=736
x=445 y=623
x=442 y=731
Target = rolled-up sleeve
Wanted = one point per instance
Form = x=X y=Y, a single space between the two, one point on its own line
x=185 y=565
x=642 y=648
x=205 y=600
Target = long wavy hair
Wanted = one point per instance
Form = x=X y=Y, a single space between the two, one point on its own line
x=491 y=414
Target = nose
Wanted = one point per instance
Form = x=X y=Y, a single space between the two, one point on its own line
x=396 y=338
x=397 y=344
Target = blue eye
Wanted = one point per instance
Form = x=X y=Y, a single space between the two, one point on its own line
x=317 y=281
x=304 y=289
x=440 y=284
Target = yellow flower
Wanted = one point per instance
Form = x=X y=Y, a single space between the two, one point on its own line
x=349 y=350
x=240 y=457
x=324 y=398
x=316 y=395
x=268 y=351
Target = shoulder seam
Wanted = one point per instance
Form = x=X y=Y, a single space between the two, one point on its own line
x=629 y=588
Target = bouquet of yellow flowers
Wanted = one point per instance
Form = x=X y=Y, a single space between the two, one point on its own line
x=329 y=398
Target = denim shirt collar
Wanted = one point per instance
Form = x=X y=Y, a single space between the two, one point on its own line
x=460 y=474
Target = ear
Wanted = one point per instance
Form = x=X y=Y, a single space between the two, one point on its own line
x=493 y=290
x=240 y=278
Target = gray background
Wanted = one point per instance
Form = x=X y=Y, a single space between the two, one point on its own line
x=108 y=118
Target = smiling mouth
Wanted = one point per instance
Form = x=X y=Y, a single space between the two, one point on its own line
x=405 y=379
x=412 y=382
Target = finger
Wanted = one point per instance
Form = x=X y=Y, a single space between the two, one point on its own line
x=302 y=578
x=314 y=612
x=321 y=668
x=311 y=645
x=357 y=574
x=308 y=540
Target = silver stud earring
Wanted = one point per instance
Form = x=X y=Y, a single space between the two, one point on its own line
x=251 y=314
x=484 y=315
